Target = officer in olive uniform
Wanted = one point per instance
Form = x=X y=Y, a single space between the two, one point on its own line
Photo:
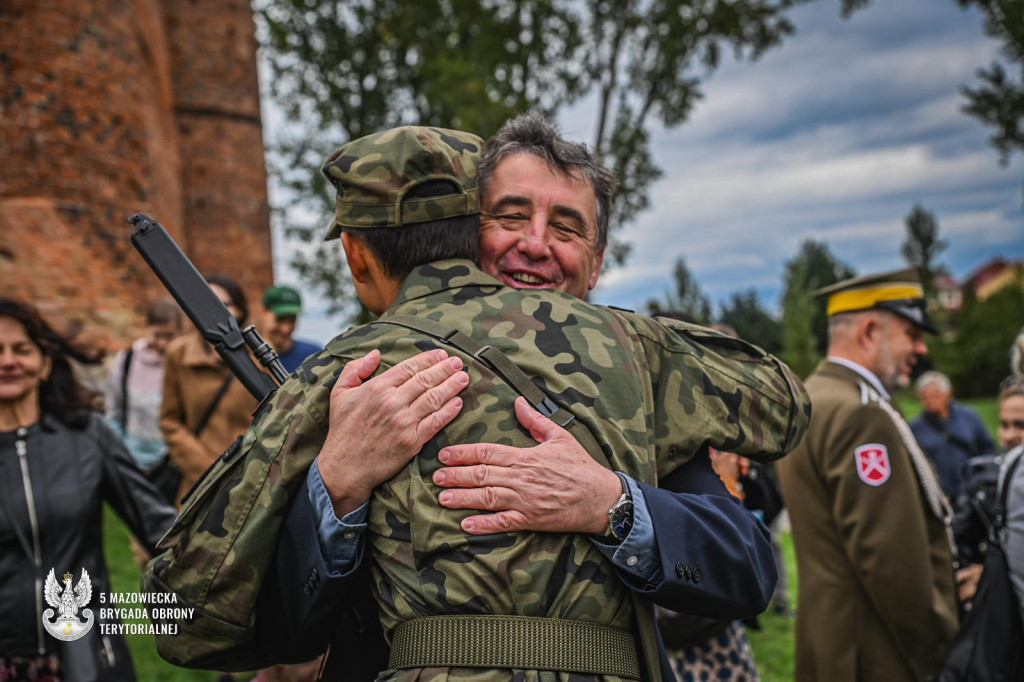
x=870 y=523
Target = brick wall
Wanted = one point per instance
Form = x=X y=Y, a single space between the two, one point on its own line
x=93 y=128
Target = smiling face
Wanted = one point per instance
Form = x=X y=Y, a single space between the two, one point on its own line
x=23 y=367
x=538 y=228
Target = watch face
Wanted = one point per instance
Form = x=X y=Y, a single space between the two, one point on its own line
x=621 y=519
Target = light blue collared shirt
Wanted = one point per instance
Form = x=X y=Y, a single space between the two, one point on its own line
x=339 y=538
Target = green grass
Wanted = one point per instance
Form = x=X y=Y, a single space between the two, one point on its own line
x=775 y=645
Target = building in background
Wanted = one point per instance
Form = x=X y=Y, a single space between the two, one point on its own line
x=110 y=107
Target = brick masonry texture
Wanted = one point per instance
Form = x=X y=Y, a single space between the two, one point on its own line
x=109 y=107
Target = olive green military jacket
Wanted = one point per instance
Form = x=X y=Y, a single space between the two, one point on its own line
x=876 y=597
x=650 y=394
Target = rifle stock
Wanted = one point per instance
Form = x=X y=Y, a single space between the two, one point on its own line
x=213 y=320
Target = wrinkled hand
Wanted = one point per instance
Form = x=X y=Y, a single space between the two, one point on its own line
x=967 y=583
x=556 y=486
x=377 y=426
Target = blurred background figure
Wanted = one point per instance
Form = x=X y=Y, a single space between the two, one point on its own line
x=757 y=486
x=136 y=383
x=133 y=397
x=204 y=407
x=59 y=462
x=281 y=308
x=949 y=433
x=1011 y=435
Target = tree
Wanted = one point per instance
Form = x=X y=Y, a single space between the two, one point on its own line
x=977 y=356
x=686 y=298
x=999 y=101
x=804 y=320
x=347 y=69
x=799 y=344
x=751 y=321
x=923 y=246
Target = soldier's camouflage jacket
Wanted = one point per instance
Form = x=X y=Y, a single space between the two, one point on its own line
x=651 y=394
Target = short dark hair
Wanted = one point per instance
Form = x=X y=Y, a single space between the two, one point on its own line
x=163 y=311
x=61 y=396
x=400 y=249
x=228 y=284
x=531 y=133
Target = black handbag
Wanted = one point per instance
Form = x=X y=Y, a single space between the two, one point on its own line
x=988 y=645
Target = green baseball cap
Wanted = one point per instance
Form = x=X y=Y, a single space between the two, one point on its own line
x=374 y=173
x=282 y=301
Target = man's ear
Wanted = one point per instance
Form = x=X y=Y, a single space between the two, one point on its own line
x=356 y=255
x=598 y=263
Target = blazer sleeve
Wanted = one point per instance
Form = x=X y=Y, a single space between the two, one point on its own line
x=716 y=558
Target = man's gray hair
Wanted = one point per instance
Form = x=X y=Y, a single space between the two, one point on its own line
x=933 y=378
x=531 y=133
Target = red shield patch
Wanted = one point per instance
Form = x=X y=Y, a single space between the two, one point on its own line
x=873 y=463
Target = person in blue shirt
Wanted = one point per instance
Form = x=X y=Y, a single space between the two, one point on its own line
x=948 y=432
x=281 y=308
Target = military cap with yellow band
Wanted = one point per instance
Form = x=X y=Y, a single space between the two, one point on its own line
x=899 y=292
x=373 y=175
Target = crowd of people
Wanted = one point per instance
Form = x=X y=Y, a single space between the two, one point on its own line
x=498 y=480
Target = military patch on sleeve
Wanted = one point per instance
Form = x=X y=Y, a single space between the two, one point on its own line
x=873 y=464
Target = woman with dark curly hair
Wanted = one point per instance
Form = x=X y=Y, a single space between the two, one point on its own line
x=59 y=462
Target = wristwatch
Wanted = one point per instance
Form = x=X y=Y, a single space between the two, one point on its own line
x=620 y=517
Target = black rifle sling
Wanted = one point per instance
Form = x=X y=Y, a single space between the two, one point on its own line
x=201 y=426
x=125 y=366
x=499 y=363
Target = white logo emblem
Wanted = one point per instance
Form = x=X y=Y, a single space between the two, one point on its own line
x=68 y=626
x=873 y=464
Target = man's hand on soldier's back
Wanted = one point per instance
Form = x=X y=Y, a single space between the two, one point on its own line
x=556 y=486
x=377 y=425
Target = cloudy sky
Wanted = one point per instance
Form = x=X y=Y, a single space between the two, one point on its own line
x=833 y=136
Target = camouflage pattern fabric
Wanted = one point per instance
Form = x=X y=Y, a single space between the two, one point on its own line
x=651 y=394
x=373 y=174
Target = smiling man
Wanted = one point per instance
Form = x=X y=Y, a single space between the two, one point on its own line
x=870 y=522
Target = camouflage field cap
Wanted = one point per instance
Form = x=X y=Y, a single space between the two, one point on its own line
x=899 y=292
x=374 y=173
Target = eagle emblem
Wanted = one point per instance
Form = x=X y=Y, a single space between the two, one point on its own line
x=67 y=601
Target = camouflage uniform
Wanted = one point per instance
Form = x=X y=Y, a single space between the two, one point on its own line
x=652 y=396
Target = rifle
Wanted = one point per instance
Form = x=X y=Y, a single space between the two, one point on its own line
x=218 y=326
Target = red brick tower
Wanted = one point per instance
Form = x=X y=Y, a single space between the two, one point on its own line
x=220 y=138
x=92 y=129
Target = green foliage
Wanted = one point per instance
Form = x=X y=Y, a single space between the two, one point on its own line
x=922 y=246
x=686 y=298
x=804 y=320
x=751 y=321
x=976 y=355
x=999 y=101
x=348 y=69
